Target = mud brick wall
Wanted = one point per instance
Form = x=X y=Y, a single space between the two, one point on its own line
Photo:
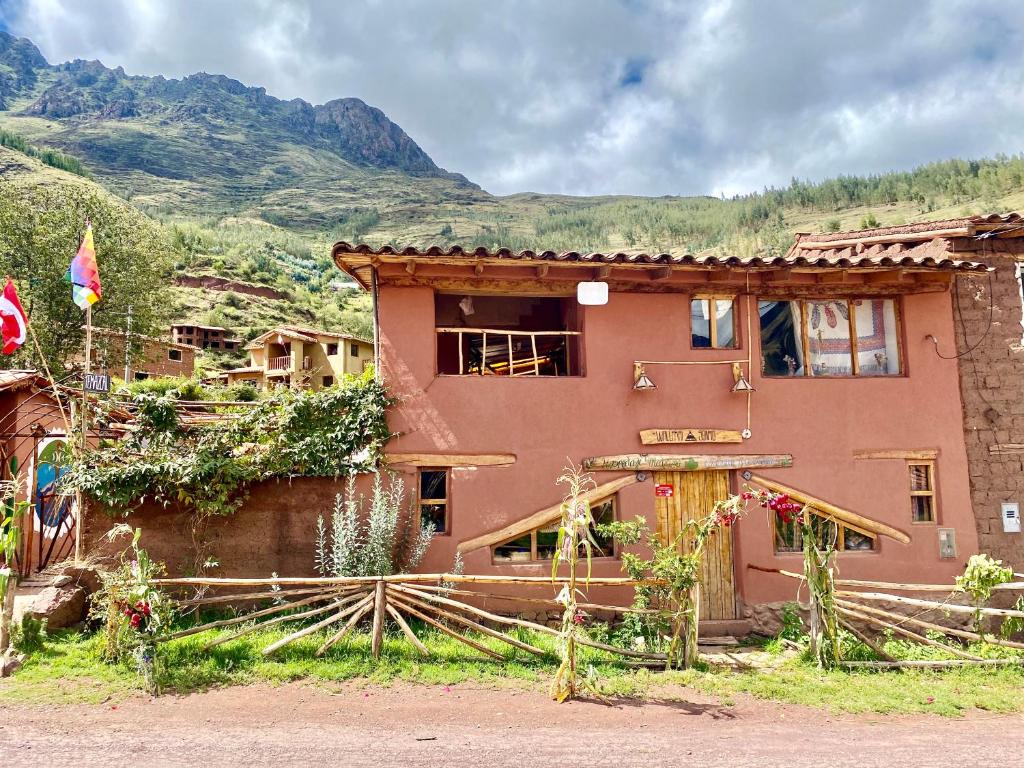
x=992 y=392
x=273 y=531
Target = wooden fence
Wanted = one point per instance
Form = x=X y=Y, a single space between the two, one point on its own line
x=430 y=598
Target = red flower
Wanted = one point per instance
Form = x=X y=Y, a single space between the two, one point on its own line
x=136 y=620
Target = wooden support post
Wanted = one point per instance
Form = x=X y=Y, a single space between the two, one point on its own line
x=380 y=602
x=691 y=640
x=7 y=611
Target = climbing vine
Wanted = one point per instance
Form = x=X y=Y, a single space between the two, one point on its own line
x=208 y=468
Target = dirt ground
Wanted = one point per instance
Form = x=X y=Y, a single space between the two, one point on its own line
x=363 y=725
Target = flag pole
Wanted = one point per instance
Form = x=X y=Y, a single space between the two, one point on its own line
x=85 y=427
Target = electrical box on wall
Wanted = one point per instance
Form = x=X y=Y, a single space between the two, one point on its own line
x=947 y=543
x=1011 y=517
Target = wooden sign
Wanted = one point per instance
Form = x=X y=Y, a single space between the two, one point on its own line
x=674 y=462
x=689 y=435
x=664 y=490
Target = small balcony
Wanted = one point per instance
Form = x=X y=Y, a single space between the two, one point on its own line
x=504 y=352
x=282 y=363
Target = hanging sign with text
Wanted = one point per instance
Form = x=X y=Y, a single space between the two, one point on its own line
x=689 y=435
x=664 y=491
x=97 y=382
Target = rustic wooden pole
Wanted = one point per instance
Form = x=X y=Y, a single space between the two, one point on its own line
x=258 y=614
x=7 y=610
x=930 y=664
x=380 y=602
x=529 y=625
x=407 y=630
x=283 y=620
x=952 y=607
x=897 y=618
x=690 y=651
x=352 y=621
x=448 y=630
x=907 y=633
x=469 y=624
x=866 y=640
x=318 y=626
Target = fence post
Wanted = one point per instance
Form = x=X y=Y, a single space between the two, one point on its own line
x=380 y=603
x=690 y=651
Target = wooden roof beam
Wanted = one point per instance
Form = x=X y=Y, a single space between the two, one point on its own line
x=542 y=270
x=603 y=272
x=885 y=276
x=661 y=273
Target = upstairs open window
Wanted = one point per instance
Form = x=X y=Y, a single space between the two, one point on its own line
x=830 y=337
x=507 y=335
x=713 y=323
x=539 y=544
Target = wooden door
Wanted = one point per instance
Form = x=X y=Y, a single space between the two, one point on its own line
x=693 y=496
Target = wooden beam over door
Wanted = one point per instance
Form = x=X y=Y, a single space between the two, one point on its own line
x=685 y=462
x=451 y=459
x=681 y=435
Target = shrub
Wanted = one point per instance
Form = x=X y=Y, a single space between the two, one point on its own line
x=380 y=541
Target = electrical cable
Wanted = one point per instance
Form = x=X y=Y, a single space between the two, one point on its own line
x=963 y=324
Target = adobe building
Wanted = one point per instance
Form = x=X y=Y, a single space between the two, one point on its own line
x=151 y=357
x=814 y=373
x=293 y=356
x=205 y=337
x=987 y=345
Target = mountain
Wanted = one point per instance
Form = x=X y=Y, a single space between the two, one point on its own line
x=252 y=189
x=209 y=144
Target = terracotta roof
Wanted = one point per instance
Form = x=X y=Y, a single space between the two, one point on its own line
x=923 y=244
x=16 y=379
x=797 y=256
x=301 y=333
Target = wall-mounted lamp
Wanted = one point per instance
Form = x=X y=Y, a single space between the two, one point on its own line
x=741 y=385
x=641 y=381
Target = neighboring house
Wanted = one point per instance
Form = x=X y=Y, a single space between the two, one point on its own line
x=205 y=337
x=293 y=356
x=151 y=357
x=811 y=371
x=987 y=313
x=32 y=438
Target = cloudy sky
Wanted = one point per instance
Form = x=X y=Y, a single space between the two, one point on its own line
x=645 y=97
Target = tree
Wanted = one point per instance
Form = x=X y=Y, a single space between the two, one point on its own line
x=41 y=225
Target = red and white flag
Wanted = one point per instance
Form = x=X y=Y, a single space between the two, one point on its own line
x=13 y=322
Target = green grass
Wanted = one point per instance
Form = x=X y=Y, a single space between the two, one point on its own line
x=69 y=671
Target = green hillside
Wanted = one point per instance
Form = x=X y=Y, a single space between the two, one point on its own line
x=251 y=190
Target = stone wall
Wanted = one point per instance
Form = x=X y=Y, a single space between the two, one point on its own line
x=992 y=391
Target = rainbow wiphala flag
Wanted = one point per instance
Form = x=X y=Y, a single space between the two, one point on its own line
x=83 y=274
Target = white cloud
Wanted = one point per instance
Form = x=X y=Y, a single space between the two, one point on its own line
x=601 y=96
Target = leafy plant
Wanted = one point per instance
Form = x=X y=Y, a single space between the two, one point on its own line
x=135 y=614
x=574 y=536
x=792 y=623
x=380 y=541
x=9 y=536
x=29 y=636
x=668 y=581
x=978 y=580
x=328 y=432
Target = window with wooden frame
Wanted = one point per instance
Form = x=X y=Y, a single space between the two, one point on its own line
x=830 y=337
x=788 y=537
x=922 y=491
x=332 y=349
x=174 y=355
x=434 y=500
x=713 y=322
x=539 y=544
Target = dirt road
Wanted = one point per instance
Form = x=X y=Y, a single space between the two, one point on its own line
x=353 y=725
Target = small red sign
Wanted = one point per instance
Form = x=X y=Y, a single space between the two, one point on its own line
x=664 y=491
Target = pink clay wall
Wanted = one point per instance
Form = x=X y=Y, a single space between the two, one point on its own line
x=821 y=422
